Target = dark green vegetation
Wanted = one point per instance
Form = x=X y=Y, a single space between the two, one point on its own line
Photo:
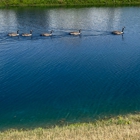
x=7 y=3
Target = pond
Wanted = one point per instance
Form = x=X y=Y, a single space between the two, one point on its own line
x=65 y=78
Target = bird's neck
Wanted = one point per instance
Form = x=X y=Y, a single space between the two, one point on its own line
x=122 y=29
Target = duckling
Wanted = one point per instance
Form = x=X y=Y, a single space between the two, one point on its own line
x=75 y=33
x=118 y=32
x=27 y=34
x=14 y=34
x=47 y=34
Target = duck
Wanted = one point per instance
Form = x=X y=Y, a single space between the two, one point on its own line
x=28 y=34
x=47 y=34
x=118 y=32
x=75 y=33
x=14 y=34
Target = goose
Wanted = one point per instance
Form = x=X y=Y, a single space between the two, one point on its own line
x=75 y=33
x=118 y=32
x=47 y=34
x=14 y=34
x=27 y=34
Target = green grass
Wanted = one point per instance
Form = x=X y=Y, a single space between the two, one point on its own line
x=115 y=128
x=10 y=3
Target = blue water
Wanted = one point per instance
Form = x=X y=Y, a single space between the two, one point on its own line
x=44 y=80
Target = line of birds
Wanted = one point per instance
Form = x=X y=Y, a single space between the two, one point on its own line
x=50 y=33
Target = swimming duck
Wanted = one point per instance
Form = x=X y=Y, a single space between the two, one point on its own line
x=118 y=32
x=47 y=34
x=75 y=33
x=27 y=34
x=14 y=34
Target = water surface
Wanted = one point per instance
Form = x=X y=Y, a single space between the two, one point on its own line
x=71 y=78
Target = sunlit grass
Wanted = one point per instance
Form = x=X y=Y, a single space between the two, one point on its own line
x=114 y=128
x=67 y=2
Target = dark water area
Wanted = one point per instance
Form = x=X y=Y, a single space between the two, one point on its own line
x=73 y=78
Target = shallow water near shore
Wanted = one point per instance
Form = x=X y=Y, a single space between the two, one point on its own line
x=63 y=78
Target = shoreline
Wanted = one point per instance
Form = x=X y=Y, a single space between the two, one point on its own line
x=119 y=127
x=93 y=4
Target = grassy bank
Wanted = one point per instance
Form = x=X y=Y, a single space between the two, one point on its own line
x=7 y=3
x=115 y=128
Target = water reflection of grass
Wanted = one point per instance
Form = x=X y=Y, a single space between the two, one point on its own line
x=67 y=2
x=115 y=128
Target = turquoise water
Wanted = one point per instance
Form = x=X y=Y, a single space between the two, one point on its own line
x=44 y=80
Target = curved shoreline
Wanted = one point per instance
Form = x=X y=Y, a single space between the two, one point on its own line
x=119 y=127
